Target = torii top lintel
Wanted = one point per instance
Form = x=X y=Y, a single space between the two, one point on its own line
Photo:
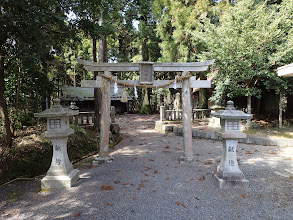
x=162 y=67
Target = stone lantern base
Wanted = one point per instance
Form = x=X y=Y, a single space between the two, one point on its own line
x=237 y=181
x=60 y=182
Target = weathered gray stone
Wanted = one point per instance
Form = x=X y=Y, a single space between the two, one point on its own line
x=61 y=173
x=100 y=160
x=183 y=159
x=115 y=128
x=228 y=173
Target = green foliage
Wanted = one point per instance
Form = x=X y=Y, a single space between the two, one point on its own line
x=176 y=20
x=243 y=45
x=30 y=161
x=146 y=109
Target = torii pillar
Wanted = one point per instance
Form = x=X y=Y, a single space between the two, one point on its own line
x=146 y=70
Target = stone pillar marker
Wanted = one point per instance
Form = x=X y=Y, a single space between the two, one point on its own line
x=61 y=173
x=162 y=113
x=228 y=173
x=186 y=119
x=112 y=114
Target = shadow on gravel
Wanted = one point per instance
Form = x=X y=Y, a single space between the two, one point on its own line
x=146 y=181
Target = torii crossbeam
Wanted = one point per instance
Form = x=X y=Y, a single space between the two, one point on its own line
x=146 y=70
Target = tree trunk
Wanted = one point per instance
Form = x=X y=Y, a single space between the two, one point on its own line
x=281 y=109
x=248 y=125
x=16 y=103
x=97 y=91
x=258 y=107
x=203 y=94
x=3 y=107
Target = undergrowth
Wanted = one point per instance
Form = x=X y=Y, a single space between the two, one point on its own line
x=33 y=158
x=271 y=130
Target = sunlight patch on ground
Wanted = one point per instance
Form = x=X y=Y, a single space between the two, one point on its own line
x=85 y=176
x=286 y=175
x=272 y=161
x=29 y=140
x=147 y=131
x=287 y=152
x=128 y=151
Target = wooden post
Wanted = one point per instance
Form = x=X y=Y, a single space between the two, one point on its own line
x=186 y=119
x=105 y=117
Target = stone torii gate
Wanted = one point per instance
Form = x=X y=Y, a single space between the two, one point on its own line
x=146 y=71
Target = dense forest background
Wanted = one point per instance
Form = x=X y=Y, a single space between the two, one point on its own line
x=40 y=42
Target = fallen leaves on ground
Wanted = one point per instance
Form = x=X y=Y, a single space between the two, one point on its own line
x=181 y=204
x=167 y=147
x=106 y=187
x=147 y=168
x=208 y=162
x=166 y=151
x=244 y=195
x=248 y=152
x=76 y=215
x=141 y=185
x=134 y=159
x=117 y=182
x=202 y=178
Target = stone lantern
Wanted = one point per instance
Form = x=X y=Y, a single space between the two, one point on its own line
x=228 y=173
x=61 y=173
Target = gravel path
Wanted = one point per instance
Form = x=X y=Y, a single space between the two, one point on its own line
x=146 y=181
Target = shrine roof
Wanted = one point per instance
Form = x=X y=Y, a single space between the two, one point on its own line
x=70 y=93
x=286 y=70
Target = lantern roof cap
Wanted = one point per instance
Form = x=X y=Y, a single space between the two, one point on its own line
x=231 y=113
x=57 y=110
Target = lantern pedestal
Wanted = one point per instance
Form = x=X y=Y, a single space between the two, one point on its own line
x=60 y=182
x=228 y=173
x=61 y=173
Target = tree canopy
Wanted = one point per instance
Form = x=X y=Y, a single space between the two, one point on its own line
x=40 y=42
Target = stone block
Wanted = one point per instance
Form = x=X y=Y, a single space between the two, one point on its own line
x=184 y=159
x=230 y=182
x=115 y=128
x=60 y=182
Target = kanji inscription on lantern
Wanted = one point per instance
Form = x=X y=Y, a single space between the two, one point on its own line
x=58 y=162
x=55 y=123
x=232 y=125
x=230 y=149
x=231 y=163
x=57 y=148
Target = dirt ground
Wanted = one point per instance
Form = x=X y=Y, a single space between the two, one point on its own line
x=146 y=181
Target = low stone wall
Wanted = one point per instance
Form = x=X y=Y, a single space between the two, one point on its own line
x=167 y=127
